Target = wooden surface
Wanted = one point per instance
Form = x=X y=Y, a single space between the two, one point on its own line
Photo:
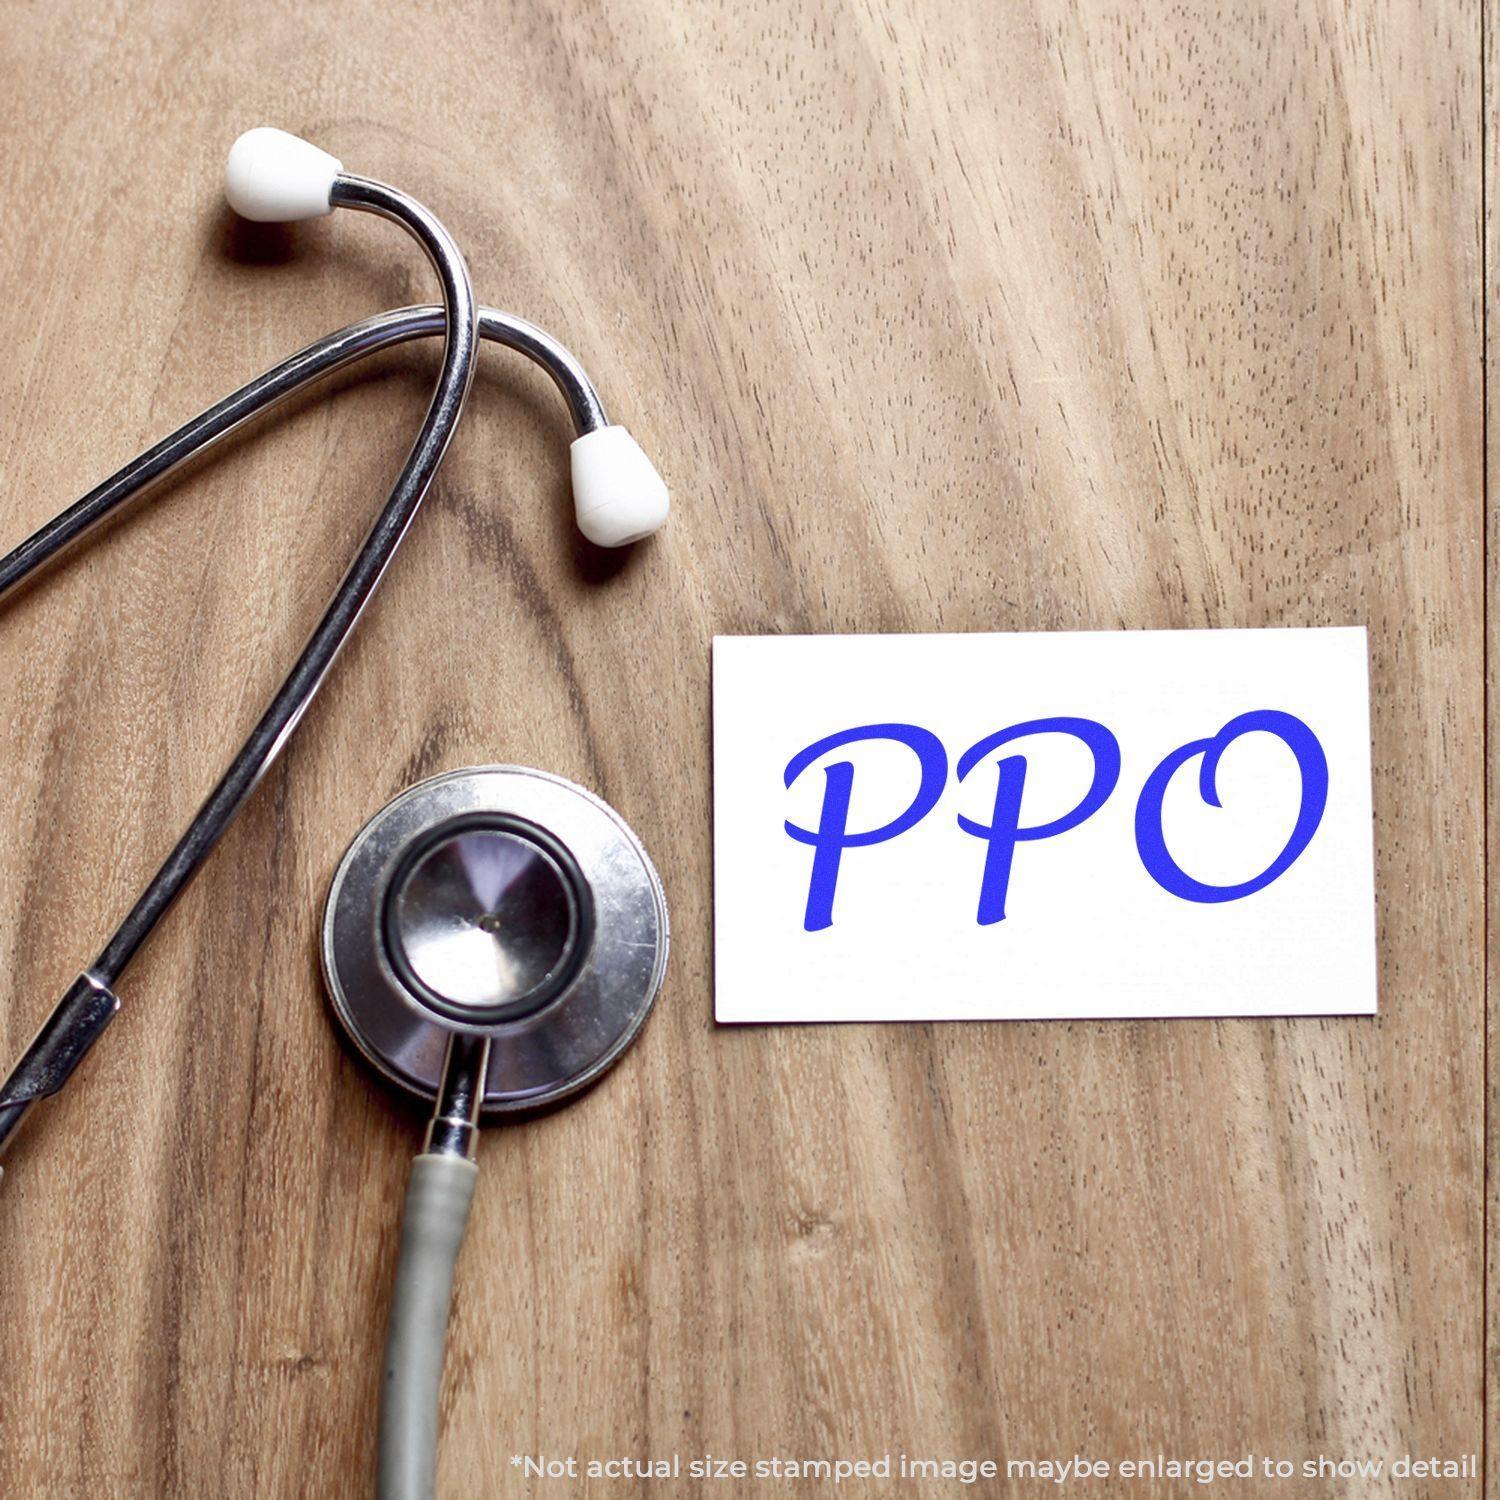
x=1491 y=123
x=938 y=316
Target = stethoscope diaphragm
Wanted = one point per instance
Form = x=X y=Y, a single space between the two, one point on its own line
x=501 y=902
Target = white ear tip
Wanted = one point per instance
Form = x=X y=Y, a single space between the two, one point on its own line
x=619 y=496
x=276 y=178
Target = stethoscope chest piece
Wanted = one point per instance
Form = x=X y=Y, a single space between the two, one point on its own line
x=498 y=902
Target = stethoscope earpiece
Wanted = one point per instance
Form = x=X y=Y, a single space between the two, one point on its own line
x=617 y=493
x=275 y=178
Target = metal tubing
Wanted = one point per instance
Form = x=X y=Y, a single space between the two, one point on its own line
x=280 y=720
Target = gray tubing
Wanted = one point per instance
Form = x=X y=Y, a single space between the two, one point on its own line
x=438 y=1196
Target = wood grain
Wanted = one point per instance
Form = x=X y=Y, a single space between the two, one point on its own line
x=1491 y=120
x=939 y=317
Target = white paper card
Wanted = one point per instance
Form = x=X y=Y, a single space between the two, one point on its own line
x=935 y=827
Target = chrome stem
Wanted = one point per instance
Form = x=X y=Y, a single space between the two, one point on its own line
x=454 y=1128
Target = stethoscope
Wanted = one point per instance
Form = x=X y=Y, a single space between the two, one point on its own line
x=494 y=938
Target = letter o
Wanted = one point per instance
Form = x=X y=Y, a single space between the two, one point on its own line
x=1312 y=763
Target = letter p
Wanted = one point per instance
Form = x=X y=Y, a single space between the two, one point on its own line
x=1005 y=831
x=832 y=836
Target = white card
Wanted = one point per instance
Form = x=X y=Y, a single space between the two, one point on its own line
x=933 y=861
